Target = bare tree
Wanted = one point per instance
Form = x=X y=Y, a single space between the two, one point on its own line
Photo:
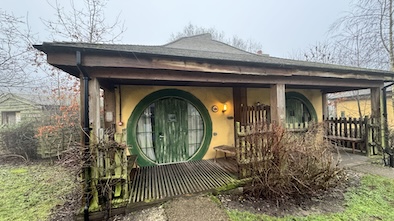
x=235 y=41
x=84 y=23
x=366 y=33
x=322 y=52
x=15 y=52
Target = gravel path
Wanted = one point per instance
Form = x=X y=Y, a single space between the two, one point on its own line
x=191 y=208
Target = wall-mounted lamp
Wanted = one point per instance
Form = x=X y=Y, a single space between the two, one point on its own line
x=224 y=107
x=120 y=123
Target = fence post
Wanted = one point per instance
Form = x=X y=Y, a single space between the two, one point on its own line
x=369 y=136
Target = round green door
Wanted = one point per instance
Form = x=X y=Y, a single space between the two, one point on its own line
x=169 y=128
x=299 y=109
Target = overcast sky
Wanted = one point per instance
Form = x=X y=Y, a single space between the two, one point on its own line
x=281 y=26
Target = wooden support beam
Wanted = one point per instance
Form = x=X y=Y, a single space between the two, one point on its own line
x=325 y=106
x=94 y=108
x=205 y=77
x=278 y=104
x=240 y=99
x=375 y=102
x=109 y=109
x=208 y=66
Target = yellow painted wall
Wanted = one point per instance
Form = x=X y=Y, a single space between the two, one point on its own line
x=350 y=108
x=262 y=95
x=222 y=127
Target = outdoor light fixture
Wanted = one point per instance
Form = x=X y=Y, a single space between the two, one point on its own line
x=120 y=123
x=224 y=107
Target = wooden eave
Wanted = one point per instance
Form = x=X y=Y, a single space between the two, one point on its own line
x=140 y=68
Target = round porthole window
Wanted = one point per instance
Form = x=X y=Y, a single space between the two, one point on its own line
x=169 y=126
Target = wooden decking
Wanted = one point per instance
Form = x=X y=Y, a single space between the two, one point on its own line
x=166 y=181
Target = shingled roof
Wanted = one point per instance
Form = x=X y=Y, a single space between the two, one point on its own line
x=203 y=48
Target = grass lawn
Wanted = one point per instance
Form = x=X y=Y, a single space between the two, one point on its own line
x=30 y=192
x=373 y=200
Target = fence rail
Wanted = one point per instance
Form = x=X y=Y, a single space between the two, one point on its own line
x=361 y=134
x=255 y=114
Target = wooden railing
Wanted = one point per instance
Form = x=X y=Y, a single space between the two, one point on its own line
x=255 y=114
x=252 y=146
x=361 y=134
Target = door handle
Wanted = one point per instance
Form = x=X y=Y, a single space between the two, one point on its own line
x=161 y=135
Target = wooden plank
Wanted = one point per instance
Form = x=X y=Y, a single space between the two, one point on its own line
x=181 y=178
x=197 y=171
x=94 y=108
x=375 y=102
x=196 y=183
x=166 y=186
x=278 y=104
x=129 y=60
x=221 y=78
x=210 y=177
x=325 y=106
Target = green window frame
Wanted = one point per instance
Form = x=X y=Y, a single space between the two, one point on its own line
x=305 y=101
x=132 y=142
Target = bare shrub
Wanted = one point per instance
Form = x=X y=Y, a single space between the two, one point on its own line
x=295 y=164
x=19 y=140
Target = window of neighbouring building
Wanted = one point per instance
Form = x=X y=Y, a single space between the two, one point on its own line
x=11 y=117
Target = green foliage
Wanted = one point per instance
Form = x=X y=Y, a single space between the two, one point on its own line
x=19 y=139
x=373 y=200
x=31 y=192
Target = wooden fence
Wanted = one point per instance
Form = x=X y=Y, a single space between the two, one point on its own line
x=361 y=134
x=253 y=145
x=255 y=114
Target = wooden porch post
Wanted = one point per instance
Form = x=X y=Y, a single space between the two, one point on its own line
x=109 y=108
x=325 y=106
x=278 y=104
x=375 y=103
x=239 y=99
x=376 y=115
x=94 y=108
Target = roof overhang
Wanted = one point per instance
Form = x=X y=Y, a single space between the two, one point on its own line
x=151 y=67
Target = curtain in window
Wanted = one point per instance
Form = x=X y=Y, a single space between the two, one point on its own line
x=145 y=133
x=195 y=128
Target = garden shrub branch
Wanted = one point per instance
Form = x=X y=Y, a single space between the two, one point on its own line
x=294 y=165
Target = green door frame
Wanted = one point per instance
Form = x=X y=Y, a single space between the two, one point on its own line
x=132 y=143
x=304 y=100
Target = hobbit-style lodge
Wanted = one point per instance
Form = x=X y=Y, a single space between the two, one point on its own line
x=184 y=102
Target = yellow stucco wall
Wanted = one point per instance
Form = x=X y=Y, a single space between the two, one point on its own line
x=350 y=109
x=222 y=127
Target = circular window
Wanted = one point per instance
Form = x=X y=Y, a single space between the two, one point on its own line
x=299 y=109
x=169 y=126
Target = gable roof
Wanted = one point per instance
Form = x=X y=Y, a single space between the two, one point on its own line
x=204 y=42
x=29 y=99
x=203 y=48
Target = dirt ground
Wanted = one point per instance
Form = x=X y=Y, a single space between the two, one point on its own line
x=202 y=207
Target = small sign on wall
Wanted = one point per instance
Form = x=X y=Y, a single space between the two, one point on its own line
x=109 y=116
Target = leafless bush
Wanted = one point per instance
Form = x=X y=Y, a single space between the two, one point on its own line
x=19 y=140
x=295 y=164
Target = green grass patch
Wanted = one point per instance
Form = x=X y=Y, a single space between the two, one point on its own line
x=30 y=192
x=373 y=200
